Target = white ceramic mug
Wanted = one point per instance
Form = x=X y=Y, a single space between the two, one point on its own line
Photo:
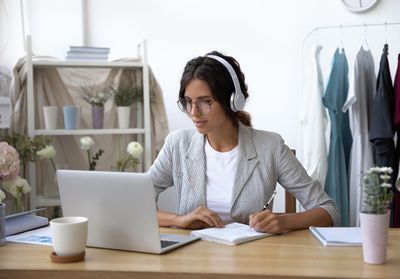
x=69 y=235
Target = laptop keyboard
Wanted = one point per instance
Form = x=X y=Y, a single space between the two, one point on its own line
x=166 y=243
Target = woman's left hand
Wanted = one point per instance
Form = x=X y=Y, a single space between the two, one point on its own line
x=266 y=221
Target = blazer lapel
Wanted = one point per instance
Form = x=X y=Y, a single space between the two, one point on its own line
x=247 y=160
x=196 y=170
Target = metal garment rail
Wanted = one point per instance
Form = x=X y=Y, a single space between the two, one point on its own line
x=341 y=26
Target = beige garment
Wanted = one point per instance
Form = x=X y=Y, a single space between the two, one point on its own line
x=59 y=87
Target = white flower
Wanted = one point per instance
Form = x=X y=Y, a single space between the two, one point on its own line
x=385 y=177
x=2 y=195
x=386 y=170
x=87 y=143
x=16 y=186
x=47 y=152
x=135 y=149
x=386 y=185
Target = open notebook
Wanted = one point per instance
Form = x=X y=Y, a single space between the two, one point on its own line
x=231 y=234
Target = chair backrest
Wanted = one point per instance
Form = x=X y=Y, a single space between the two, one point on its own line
x=290 y=201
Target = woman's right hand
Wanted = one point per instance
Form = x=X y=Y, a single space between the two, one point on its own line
x=200 y=218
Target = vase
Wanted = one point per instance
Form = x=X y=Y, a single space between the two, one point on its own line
x=19 y=203
x=124 y=114
x=374 y=232
x=70 y=113
x=50 y=114
x=97 y=117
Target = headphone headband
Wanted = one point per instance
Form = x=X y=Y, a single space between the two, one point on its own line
x=237 y=100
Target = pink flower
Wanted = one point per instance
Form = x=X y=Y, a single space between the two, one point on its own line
x=9 y=161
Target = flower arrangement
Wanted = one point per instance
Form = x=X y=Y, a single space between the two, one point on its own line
x=94 y=94
x=126 y=96
x=9 y=175
x=27 y=147
x=17 y=187
x=377 y=194
x=48 y=152
x=134 y=150
x=9 y=161
x=2 y=196
x=86 y=144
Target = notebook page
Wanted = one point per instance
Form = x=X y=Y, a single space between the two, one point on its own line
x=232 y=234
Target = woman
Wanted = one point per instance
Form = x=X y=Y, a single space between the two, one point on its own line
x=226 y=171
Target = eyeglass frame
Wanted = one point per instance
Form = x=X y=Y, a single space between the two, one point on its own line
x=182 y=107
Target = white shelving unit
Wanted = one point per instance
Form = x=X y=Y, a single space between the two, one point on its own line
x=32 y=64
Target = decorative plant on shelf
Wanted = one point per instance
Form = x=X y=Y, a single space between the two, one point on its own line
x=126 y=96
x=96 y=95
x=134 y=150
x=86 y=144
x=377 y=193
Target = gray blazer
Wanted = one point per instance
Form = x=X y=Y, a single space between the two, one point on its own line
x=264 y=160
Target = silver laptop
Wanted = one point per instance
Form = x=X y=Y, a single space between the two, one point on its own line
x=121 y=209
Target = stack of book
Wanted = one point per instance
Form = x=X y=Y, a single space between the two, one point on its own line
x=87 y=53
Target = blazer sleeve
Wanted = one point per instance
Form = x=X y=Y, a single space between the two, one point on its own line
x=161 y=171
x=308 y=191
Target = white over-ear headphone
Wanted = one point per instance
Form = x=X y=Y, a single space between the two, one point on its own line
x=237 y=98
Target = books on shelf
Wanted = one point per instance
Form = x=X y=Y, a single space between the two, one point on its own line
x=24 y=221
x=231 y=234
x=337 y=236
x=87 y=53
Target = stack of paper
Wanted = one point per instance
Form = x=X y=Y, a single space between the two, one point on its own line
x=24 y=221
x=337 y=236
x=231 y=234
x=87 y=53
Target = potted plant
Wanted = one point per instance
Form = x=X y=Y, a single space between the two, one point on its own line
x=376 y=198
x=96 y=95
x=124 y=97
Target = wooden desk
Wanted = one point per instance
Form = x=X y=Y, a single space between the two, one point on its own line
x=296 y=254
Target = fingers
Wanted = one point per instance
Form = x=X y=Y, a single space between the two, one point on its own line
x=208 y=216
x=266 y=221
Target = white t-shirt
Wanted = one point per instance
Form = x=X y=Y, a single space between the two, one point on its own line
x=220 y=177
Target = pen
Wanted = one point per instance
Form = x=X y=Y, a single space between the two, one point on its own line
x=269 y=201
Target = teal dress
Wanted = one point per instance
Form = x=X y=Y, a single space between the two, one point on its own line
x=335 y=96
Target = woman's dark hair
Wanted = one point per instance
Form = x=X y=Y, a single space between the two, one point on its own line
x=219 y=80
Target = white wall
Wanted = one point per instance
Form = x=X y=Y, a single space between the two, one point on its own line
x=264 y=36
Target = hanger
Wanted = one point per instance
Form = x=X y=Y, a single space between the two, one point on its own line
x=316 y=36
x=385 y=32
x=341 y=47
x=365 y=41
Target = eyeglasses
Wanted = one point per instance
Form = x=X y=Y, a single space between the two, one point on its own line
x=186 y=106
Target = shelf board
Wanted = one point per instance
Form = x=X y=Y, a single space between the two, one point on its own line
x=43 y=201
x=62 y=132
x=87 y=64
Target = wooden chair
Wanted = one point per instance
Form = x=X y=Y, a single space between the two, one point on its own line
x=290 y=201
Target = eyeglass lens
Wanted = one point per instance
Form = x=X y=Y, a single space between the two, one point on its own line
x=186 y=106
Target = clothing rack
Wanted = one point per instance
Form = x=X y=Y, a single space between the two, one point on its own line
x=341 y=26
